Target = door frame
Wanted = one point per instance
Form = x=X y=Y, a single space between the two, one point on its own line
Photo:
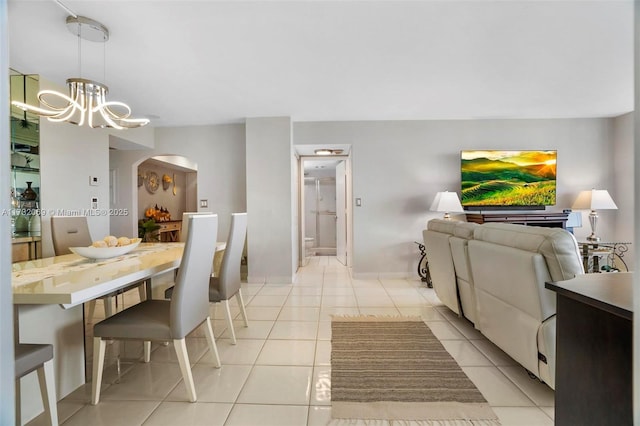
x=301 y=204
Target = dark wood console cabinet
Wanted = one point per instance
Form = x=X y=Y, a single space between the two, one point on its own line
x=594 y=354
x=551 y=220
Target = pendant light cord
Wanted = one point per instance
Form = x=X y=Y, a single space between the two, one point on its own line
x=66 y=8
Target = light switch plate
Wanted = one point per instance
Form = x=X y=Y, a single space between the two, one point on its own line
x=94 y=203
x=204 y=203
x=93 y=180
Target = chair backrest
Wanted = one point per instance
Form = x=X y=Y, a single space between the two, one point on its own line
x=229 y=277
x=185 y=223
x=69 y=231
x=190 y=299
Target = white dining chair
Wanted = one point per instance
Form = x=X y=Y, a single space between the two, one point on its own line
x=168 y=320
x=73 y=231
x=228 y=283
x=31 y=357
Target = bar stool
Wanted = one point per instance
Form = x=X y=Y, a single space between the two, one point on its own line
x=39 y=357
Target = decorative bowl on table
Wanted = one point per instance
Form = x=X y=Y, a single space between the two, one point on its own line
x=105 y=252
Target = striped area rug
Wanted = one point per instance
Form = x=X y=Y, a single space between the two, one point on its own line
x=394 y=369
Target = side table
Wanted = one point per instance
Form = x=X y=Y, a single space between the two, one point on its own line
x=593 y=251
x=423 y=266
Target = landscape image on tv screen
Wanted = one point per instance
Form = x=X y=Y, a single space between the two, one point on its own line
x=508 y=178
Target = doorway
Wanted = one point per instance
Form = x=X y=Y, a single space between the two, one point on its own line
x=324 y=210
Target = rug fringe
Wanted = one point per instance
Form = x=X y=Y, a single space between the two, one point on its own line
x=365 y=318
x=381 y=422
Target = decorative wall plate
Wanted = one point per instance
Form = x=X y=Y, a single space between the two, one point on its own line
x=152 y=182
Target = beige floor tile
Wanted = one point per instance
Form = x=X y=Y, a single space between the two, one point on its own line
x=379 y=311
x=259 y=300
x=214 y=384
x=375 y=301
x=275 y=290
x=539 y=392
x=152 y=381
x=267 y=415
x=522 y=416
x=444 y=330
x=326 y=312
x=467 y=328
x=494 y=353
x=344 y=300
x=244 y=352
x=345 y=290
x=321 y=386
x=277 y=385
x=187 y=413
x=498 y=390
x=287 y=352
x=323 y=352
x=306 y=291
x=262 y=313
x=197 y=347
x=289 y=313
x=324 y=330
x=319 y=415
x=256 y=330
x=109 y=413
x=428 y=313
x=465 y=353
x=66 y=409
x=299 y=300
x=296 y=330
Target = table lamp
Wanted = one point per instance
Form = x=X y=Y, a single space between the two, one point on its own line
x=596 y=199
x=446 y=202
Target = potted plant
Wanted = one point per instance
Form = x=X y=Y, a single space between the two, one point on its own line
x=147 y=230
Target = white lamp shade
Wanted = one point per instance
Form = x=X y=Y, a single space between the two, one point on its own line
x=446 y=202
x=595 y=199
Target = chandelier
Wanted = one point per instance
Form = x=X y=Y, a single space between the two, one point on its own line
x=86 y=102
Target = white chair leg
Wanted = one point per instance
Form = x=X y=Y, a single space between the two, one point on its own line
x=243 y=311
x=147 y=351
x=212 y=342
x=183 y=359
x=92 y=309
x=48 y=391
x=108 y=309
x=227 y=312
x=98 y=365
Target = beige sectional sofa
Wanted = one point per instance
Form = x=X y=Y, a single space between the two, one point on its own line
x=494 y=275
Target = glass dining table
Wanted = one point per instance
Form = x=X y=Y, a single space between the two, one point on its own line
x=69 y=281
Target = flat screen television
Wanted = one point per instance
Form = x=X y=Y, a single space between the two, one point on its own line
x=508 y=179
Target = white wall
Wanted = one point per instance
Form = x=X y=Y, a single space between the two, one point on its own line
x=398 y=166
x=623 y=185
x=271 y=200
x=218 y=151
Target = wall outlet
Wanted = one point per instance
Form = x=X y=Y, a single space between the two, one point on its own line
x=93 y=180
x=94 y=203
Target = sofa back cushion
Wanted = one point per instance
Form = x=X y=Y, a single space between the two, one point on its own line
x=557 y=246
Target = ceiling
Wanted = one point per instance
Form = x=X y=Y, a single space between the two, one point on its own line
x=207 y=62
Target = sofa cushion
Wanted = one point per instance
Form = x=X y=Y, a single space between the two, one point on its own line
x=556 y=245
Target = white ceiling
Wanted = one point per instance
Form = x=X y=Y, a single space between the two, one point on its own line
x=206 y=62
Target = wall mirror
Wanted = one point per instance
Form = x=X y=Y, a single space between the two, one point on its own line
x=25 y=168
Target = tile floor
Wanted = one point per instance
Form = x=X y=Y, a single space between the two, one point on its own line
x=279 y=371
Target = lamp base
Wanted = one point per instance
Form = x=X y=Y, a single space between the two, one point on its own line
x=593 y=238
